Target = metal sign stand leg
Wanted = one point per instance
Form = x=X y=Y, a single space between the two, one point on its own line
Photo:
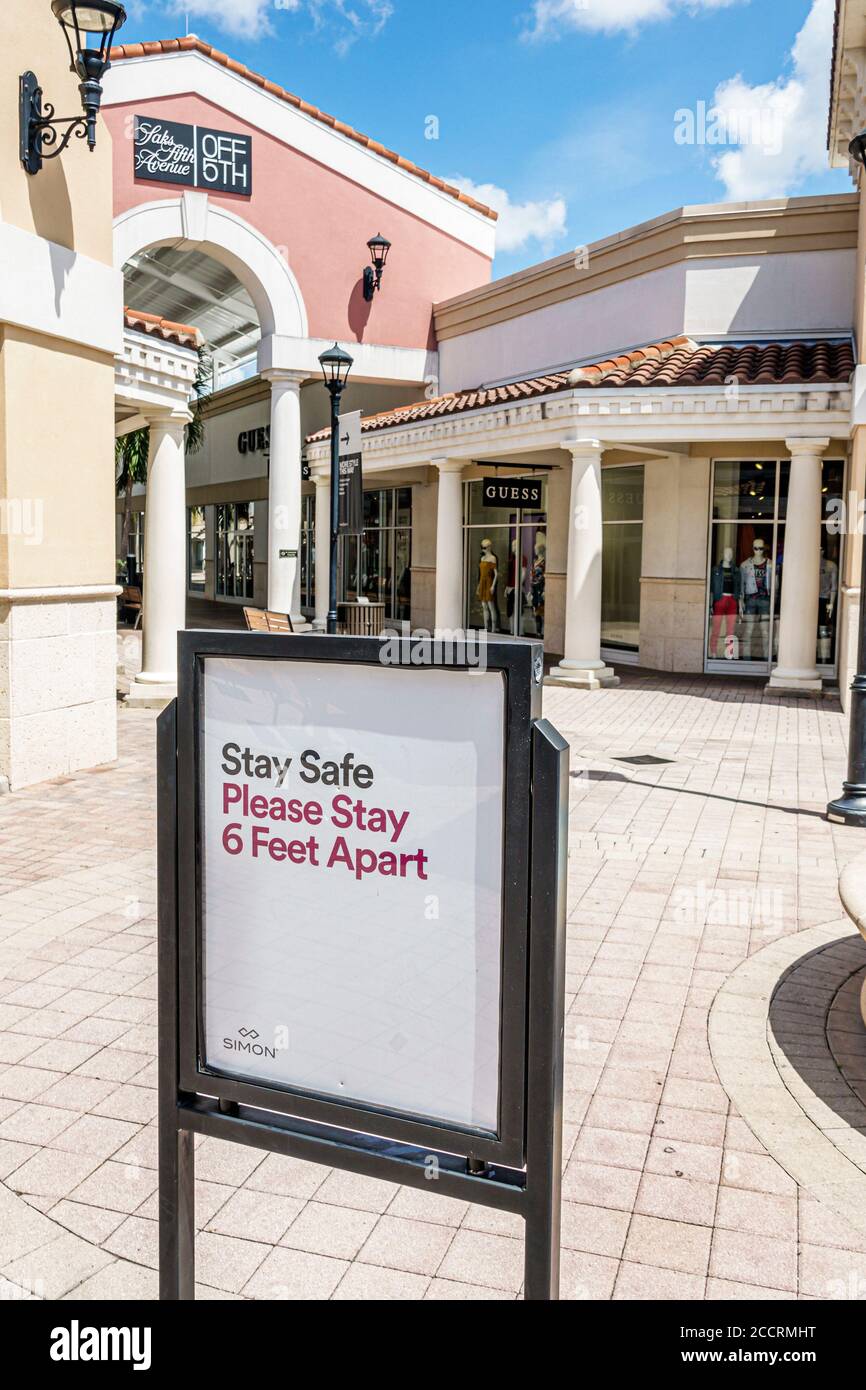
x=176 y=1146
x=550 y=762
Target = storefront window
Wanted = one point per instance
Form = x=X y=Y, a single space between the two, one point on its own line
x=196 y=549
x=235 y=546
x=747 y=561
x=622 y=493
x=377 y=565
x=505 y=566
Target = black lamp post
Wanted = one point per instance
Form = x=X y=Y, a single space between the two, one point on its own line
x=39 y=129
x=850 y=808
x=336 y=366
x=378 y=246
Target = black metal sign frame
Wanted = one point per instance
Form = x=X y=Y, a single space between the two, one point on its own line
x=516 y=1169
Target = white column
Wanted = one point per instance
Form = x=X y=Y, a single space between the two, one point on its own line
x=165 y=557
x=582 y=666
x=284 y=494
x=449 y=546
x=801 y=571
x=323 y=547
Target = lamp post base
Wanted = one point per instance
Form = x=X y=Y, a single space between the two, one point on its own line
x=850 y=809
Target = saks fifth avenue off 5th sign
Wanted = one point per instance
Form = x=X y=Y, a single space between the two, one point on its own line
x=352 y=856
x=172 y=152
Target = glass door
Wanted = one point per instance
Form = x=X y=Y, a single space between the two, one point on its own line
x=747 y=565
x=235 y=546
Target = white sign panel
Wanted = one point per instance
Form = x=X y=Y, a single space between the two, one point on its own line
x=352 y=883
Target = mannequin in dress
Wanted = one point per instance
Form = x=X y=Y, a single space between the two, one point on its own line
x=725 y=593
x=539 y=569
x=488 y=578
x=516 y=580
x=756 y=583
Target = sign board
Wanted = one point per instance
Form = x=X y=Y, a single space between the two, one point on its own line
x=383 y=831
x=193 y=156
x=362 y=872
x=513 y=492
x=255 y=441
x=351 y=475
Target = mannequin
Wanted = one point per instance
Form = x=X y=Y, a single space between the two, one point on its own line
x=537 y=579
x=827 y=607
x=488 y=578
x=725 y=594
x=516 y=580
x=756 y=583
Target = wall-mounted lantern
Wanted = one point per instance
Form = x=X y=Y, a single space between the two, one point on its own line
x=379 y=249
x=40 y=136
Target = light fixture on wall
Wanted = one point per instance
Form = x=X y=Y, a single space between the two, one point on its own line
x=379 y=248
x=40 y=129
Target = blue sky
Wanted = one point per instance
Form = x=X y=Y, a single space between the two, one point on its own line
x=575 y=117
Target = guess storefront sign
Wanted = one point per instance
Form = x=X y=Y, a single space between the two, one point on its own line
x=172 y=152
x=513 y=492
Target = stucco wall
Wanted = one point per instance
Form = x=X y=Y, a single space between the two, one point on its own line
x=805 y=292
x=673 y=574
x=70 y=201
x=57 y=613
x=322 y=220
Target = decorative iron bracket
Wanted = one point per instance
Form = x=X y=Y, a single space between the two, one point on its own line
x=40 y=129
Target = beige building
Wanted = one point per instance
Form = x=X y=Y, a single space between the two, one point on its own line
x=60 y=328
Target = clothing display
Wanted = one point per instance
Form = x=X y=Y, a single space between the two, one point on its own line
x=488 y=576
x=756 y=579
x=724 y=583
x=538 y=582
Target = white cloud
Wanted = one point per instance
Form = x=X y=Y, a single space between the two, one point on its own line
x=543 y=221
x=243 y=19
x=609 y=16
x=254 y=19
x=790 y=115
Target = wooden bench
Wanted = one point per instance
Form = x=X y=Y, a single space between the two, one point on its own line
x=261 y=620
x=130 y=600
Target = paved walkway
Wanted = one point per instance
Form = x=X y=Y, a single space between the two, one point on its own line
x=679 y=873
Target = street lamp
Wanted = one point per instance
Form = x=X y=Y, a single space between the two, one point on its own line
x=336 y=366
x=850 y=808
x=378 y=246
x=38 y=127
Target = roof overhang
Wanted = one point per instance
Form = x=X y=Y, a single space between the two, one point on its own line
x=673 y=417
x=848 y=81
x=153 y=375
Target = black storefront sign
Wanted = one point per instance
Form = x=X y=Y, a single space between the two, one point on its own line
x=488 y=1128
x=193 y=156
x=513 y=492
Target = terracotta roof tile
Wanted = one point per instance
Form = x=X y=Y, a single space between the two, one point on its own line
x=674 y=363
x=196 y=45
x=180 y=333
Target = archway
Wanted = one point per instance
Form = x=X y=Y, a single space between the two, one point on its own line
x=157 y=238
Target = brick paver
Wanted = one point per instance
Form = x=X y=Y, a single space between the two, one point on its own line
x=678 y=873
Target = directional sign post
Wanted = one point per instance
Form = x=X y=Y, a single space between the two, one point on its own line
x=351 y=476
x=362 y=869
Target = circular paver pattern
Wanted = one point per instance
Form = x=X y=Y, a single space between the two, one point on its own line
x=790 y=1050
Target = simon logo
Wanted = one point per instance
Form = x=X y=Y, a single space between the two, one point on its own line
x=247 y=1040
